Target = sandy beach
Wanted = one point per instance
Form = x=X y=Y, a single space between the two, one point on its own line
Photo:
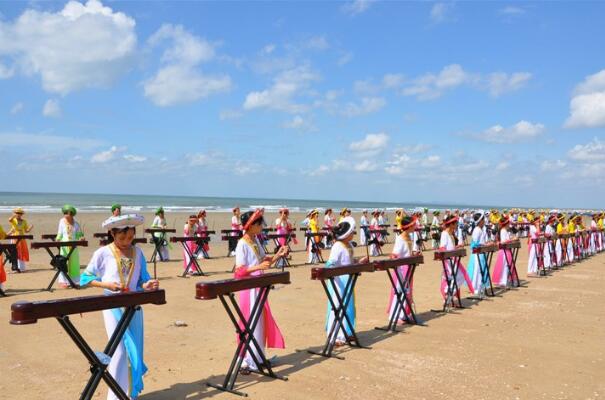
x=545 y=340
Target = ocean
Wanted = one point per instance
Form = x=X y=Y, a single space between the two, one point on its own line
x=87 y=203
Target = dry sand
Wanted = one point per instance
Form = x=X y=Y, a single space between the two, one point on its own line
x=543 y=341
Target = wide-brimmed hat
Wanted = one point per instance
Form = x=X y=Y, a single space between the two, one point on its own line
x=116 y=206
x=159 y=211
x=18 y=210
x=345 y=228
x=123 y=221
x=451 y=220
x=69 y=209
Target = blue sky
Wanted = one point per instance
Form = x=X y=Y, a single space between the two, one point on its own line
x=466 y=102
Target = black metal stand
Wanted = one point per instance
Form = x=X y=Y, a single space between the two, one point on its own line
x=192 y=264
x=247 y=342
x=401 y=285
x=98 y=365
x=511 y=260
x=485 y=262
x=59 y=262
x=450 y=271
x=339 y=309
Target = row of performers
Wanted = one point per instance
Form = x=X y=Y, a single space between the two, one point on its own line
x=121 y=267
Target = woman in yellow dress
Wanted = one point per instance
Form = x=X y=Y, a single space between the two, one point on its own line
x=19 y=226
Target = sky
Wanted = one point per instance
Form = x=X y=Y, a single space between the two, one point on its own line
x=445 y=102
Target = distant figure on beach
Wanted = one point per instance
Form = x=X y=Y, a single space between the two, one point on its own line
x=236 y=225
x=19 y=227
x=69 y=230
x=2 y=271
x=116 y=210
x=160 y=237
x=202 y=225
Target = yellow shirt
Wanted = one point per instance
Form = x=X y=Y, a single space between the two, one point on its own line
x=313 y=226
x=559 y=229
x=571 y=227
x=2 y=233
x=18 y=227
x=600 y=223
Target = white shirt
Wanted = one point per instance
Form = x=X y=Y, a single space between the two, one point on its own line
x=479 y=235
x=245 y=255
x=447 y=241
x=504 y=235
x=339 y=255
x=66 y=232
x=103 y=265
x=401 y=248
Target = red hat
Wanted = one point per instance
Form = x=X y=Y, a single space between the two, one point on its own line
x=409 y=224
x=451 y=220
x=504 y=221
x=253 y=218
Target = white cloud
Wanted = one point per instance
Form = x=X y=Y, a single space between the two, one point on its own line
x=81 y=46
x=430 y=161
x=554 y=165
x=16 y=108
x=502 y=166
x=204 y=159
x=440 y=12
x=298 y=122
x=321 y=170
x=499 y=83
x=268 y=49
x=367 y=105
x=511 y=10
x=587 y=106
x=344 y=58
x=51 y=109
x=356 y=7
x=180 y=80
x=372 y=144
x=391 y=81
x=413 y=149
x=590 y=152
x=134 y=158
x=245 y=168
x=281 y=95
x=521 y=131
x=365 y=166
x=107 y=155
x=431 y=86
x=524 y=180
x=49 y=142
x=317 y=43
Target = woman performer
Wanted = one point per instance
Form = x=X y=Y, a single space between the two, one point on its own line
x=342 y=255
x=69 y=231
x=447 y=243
x=250 y=260
x=283 y=226
x=532 y=262
x=345 y=212
x=549 y=231
x=501 y=268
x=435 y=234
x=160 y=237
x=313 y=228
x=121 y=267
x=402 y=248
x=2 y=271
x=374 y=236
x=19 y=227
x=202 y=228
x=328 y=225
x=364 y=223
x=235 y=226
x=116 y=210
x=190 y=229
x=478 y=238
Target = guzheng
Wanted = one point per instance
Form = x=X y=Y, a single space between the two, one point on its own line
x=485 y=248
x=513 y=244
x=21 y=237
x=24 y=313
x=244 y=328
x=401 y=286
x=57 y=261
x=280 y=235
x=338 y=300
x=192 y=263
x=540 y=240
x=48 y=236
x=100 y=235
x=446 y=254
x=160 y=230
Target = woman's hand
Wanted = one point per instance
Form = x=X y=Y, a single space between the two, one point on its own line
x=113 y=286
x=283 y=251
x=152 y=284
x=364 y=260
x=264 y=265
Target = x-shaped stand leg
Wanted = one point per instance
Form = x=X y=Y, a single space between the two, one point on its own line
x=540 y=258
x=157 y=242
x=61 y=269
x=450 y=270
x=98 y=366
x=485 y=261
x=247 y=341
x=513 y=276
x=192 y=262
x=339 y=308
x=401 y=285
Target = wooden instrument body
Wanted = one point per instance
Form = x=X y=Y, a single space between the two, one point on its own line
x=211 y=290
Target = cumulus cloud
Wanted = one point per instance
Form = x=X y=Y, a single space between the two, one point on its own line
x=179 y=80
x=81 y=46
x=356 y=7
x=431 y=86
x=371 y=145
x=587 y=106
x=440 y=12
x=230 y=114
x=48 y=142
x=317 y=43
x=134 y=158
x=499 y=83
x=366 y=105
x=282 y=94
x=592 y=151
x=51 y=109
x=552 y=165
x=107 y=155
x=521 y=131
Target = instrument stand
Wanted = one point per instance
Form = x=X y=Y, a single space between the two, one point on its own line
x=247 y=342
x=453 y=291
x=402 y=287
x=192 y=264
x=513 y=276
x=59 y=263
x=340 y=317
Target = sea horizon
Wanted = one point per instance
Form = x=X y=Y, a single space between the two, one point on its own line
x=48 y=202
